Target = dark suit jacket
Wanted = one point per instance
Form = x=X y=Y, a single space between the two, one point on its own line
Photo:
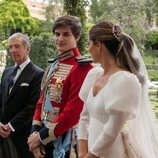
x=19 y=105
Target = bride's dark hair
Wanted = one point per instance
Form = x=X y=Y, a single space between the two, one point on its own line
x=119 y=45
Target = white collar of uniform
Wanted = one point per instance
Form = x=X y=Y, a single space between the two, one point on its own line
x=24 y=64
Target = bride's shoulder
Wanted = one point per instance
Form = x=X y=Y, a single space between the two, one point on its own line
x=95 y=70
x=125 y=78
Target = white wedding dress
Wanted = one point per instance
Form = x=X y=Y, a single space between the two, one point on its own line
x=105 y=114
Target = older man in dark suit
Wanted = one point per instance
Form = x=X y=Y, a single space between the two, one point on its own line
x=19 y=92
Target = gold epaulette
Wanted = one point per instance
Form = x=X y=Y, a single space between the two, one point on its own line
x=83 y=60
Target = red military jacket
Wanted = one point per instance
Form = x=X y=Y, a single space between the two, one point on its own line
x=64 y=86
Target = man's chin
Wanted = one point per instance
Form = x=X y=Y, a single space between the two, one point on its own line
x=62 y=50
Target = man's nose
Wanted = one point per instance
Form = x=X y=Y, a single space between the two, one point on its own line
x=60 y=38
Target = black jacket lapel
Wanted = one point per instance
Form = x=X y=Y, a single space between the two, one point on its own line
x=6 y=89
x=24 y=75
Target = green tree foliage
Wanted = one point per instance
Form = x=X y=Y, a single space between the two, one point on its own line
x=10 y=62
x=155 y=9
x=78 y=8
x=15 y=17
x=149 y=11
x=95 y=10
x=46 y=26
x=130 y=14
x=151 y=41
x=155 y=6
x=52 y=11
x=42 y=49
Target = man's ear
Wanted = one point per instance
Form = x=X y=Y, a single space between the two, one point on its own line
x=28 y=50
x=78 y=38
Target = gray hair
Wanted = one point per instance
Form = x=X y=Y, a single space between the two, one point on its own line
x=24 y=37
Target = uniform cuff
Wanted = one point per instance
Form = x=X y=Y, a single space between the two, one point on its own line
x=44 y=133
x=47 y=133
x=35 y=128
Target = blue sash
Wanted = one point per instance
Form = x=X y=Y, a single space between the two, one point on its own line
x=62 y=146
x=47 y=103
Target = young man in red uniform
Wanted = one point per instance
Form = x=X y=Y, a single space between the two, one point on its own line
x=58 y=109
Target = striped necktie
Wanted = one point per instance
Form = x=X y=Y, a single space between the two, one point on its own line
x=12 y=76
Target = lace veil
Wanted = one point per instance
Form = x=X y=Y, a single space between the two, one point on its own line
x=144 y=128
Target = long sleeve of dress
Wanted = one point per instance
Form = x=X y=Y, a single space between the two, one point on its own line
x=83 y=124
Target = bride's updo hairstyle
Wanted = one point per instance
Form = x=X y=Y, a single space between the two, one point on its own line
x=119 y=45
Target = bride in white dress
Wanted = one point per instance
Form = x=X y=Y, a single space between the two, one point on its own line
x=117 y=120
